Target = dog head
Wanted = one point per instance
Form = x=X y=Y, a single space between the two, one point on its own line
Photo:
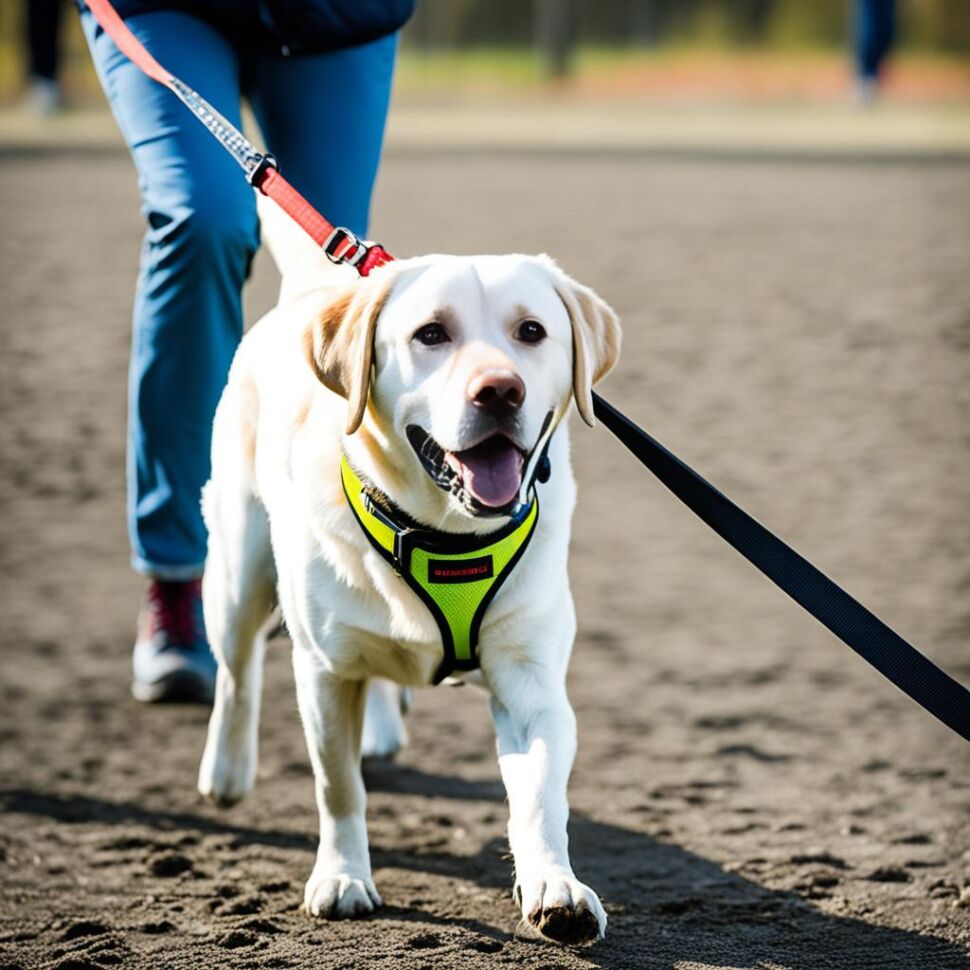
x=460 y=364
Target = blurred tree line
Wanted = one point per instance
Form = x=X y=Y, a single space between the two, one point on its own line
x=555 y=27
x=942 y=25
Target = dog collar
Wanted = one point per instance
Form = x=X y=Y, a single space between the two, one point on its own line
x=455 y=576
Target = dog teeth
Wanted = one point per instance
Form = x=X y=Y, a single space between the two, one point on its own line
x=435 y=460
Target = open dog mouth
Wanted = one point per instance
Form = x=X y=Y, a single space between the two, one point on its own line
x=486 y=478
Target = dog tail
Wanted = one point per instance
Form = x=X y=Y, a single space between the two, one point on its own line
x=302 y=264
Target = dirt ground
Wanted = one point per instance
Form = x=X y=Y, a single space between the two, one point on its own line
x=747 y=794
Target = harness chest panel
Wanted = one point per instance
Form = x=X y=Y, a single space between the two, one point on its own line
x=455 y=576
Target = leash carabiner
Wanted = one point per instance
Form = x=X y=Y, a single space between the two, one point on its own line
x=343 y=246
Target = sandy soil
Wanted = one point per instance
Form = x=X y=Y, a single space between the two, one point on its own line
x=747 y=794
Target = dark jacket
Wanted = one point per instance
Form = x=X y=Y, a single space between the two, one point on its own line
x=290 y=26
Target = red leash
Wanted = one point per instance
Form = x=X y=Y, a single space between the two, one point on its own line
x=262 y=171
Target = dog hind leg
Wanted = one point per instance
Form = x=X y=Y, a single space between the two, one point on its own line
x=239 y=596
x=384 y=731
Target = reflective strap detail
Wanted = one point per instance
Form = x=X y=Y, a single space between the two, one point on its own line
x=224 y=131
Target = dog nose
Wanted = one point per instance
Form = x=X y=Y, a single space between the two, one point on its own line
x=497 y=390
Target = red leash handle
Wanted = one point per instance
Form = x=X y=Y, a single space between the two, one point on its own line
x=339 y=244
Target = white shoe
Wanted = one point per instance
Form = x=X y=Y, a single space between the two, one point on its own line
x=43 y=97
x=866 y=91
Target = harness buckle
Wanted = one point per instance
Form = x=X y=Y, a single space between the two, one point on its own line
x=342 y=246
x=399 y=551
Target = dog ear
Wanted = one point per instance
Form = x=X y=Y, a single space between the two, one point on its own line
x=596 y=336
x=339 y=342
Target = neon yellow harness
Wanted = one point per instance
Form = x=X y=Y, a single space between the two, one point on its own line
x=455 y=576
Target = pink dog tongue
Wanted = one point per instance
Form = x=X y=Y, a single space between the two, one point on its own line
x=491 y=471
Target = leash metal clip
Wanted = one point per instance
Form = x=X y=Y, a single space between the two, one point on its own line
x=264 y=163
x=334 y=242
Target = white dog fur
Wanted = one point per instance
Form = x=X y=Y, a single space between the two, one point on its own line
x=336 y=366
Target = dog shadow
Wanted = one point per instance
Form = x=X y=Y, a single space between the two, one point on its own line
x=667 y=907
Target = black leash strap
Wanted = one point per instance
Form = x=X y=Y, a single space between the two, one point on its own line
x=846 y=617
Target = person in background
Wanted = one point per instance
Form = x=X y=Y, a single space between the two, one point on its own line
x=317 y=74
x=43 y=22
x=875 y=33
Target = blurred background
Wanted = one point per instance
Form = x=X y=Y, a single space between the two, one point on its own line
x=614 y=72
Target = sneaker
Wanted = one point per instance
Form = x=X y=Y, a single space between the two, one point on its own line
x=43 y=97
x=172 y=660
x=866 y=91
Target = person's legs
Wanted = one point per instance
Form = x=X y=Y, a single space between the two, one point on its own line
x=43 y=23
x=874 y=34
x=885 y=32
x=43 y=29
x=864 y=32
x=201 y=234
x=323 y=115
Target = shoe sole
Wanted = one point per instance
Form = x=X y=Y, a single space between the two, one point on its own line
x=179 y=687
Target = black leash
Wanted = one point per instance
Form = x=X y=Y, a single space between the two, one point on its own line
x=846 y=617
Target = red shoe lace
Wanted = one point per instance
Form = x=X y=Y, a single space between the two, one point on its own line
x=174 y=610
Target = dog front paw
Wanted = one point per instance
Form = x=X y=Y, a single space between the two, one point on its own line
x=562 y=909
x=339 y=895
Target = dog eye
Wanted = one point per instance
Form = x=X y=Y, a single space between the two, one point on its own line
x=432 y=334
x=530 y=332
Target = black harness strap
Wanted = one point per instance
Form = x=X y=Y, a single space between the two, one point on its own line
x=845 y=616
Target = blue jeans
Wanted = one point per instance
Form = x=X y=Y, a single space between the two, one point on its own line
x=875 y=30
x=323 y=117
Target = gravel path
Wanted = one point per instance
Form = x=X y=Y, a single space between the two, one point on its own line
x=748 y=794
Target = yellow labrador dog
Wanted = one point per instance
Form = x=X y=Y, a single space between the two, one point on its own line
x=424 y=404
